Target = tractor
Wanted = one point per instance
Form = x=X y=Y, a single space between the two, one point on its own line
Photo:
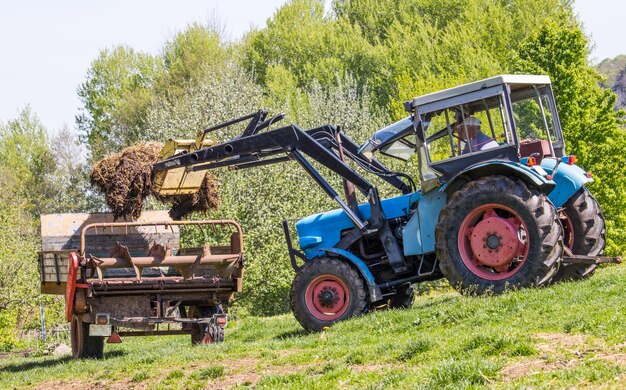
x=500 y=204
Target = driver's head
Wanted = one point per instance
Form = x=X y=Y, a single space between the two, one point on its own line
x=471 y=123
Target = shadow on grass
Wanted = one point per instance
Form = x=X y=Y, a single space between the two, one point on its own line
x=292 y=333
x=433 y=303
x=48 y=363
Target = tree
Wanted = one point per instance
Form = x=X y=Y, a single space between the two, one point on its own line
x=115 y=97
x=590 y=123
x=25 y=152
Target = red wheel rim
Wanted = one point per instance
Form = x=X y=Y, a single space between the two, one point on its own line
x=568 y=230
x=327 y=297
x=493 y=241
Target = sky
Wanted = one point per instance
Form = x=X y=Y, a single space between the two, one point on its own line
x=47 y=46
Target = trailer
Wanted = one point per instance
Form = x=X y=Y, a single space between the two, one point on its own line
x=153 y=276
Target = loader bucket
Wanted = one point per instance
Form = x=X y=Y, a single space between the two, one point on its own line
x=180 y=181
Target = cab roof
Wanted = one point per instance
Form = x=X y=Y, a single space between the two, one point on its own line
x=514 y=80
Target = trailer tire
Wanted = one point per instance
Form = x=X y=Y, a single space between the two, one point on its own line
x=584 y=232
x=206 y=333
x=83 y=345
x=325 y=291
x=495 y=234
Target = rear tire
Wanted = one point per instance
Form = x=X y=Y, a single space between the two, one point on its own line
x=584 y=231
x=495 y=234
x=83 y=345
x=325 y=291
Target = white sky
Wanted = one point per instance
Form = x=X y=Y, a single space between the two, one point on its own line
x=46 y=47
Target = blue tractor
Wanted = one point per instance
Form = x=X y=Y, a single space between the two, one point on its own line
x=500 y=204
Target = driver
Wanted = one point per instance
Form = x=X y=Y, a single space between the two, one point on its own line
x=473 y=136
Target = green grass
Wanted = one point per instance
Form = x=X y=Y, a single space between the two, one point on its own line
x=566 y=335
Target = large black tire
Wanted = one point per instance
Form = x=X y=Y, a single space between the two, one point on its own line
x=403 y=298
x=522 y=215
x=325 y=291
x=584 y=231
x=83 y=345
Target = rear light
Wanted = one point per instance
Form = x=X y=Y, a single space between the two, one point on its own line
x=221 y=321
x=569 y=160
x=589 y=175
x=530 y=161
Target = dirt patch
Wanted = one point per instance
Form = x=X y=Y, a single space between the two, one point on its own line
x=78 y=385
x=375 y=367
x=126 y=180
x=247 y=372
x=563 y=351
x=559 y=341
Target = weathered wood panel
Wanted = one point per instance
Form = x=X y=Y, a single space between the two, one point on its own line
x=62 y=232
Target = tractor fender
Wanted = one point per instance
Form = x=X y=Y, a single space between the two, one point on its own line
x=374 y=290
x=505 y=168
x=568 y=178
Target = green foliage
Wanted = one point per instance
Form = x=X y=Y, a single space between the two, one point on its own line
x=590 y=124
x=38 y=174
x=25 y=154
x=8 y=339
x=190 y=56
x=115 y=96
x=400 y=49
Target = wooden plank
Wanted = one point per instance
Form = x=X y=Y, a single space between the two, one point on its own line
x=106 y=242
x=53 y=288
x=62 y=231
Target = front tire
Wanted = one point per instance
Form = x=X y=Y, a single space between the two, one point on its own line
x=495 y=233
x=325 y=291
x=584 y=232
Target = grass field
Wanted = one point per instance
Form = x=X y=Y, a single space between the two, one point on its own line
x=566 y=336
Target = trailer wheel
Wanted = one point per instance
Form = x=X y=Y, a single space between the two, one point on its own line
x=404 y=297
x=325 y=291
x=495 y=233
x=584 y=233
x=206 y=333
x=83 y=345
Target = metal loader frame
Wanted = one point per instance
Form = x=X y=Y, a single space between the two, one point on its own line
x=252 y=149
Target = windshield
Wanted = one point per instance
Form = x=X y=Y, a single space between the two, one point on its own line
x=393 y=140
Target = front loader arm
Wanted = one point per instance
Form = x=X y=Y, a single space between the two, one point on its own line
x=289 y=139
x=250 y=150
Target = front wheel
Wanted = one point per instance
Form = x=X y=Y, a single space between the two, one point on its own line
x=325 y=291
x=495 y=233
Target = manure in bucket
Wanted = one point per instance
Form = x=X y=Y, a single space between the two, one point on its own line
x=125 y=179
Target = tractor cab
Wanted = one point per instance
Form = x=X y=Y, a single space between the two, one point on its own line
x=502 y=118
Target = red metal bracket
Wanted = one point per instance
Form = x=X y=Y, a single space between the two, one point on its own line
x=72 y=285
